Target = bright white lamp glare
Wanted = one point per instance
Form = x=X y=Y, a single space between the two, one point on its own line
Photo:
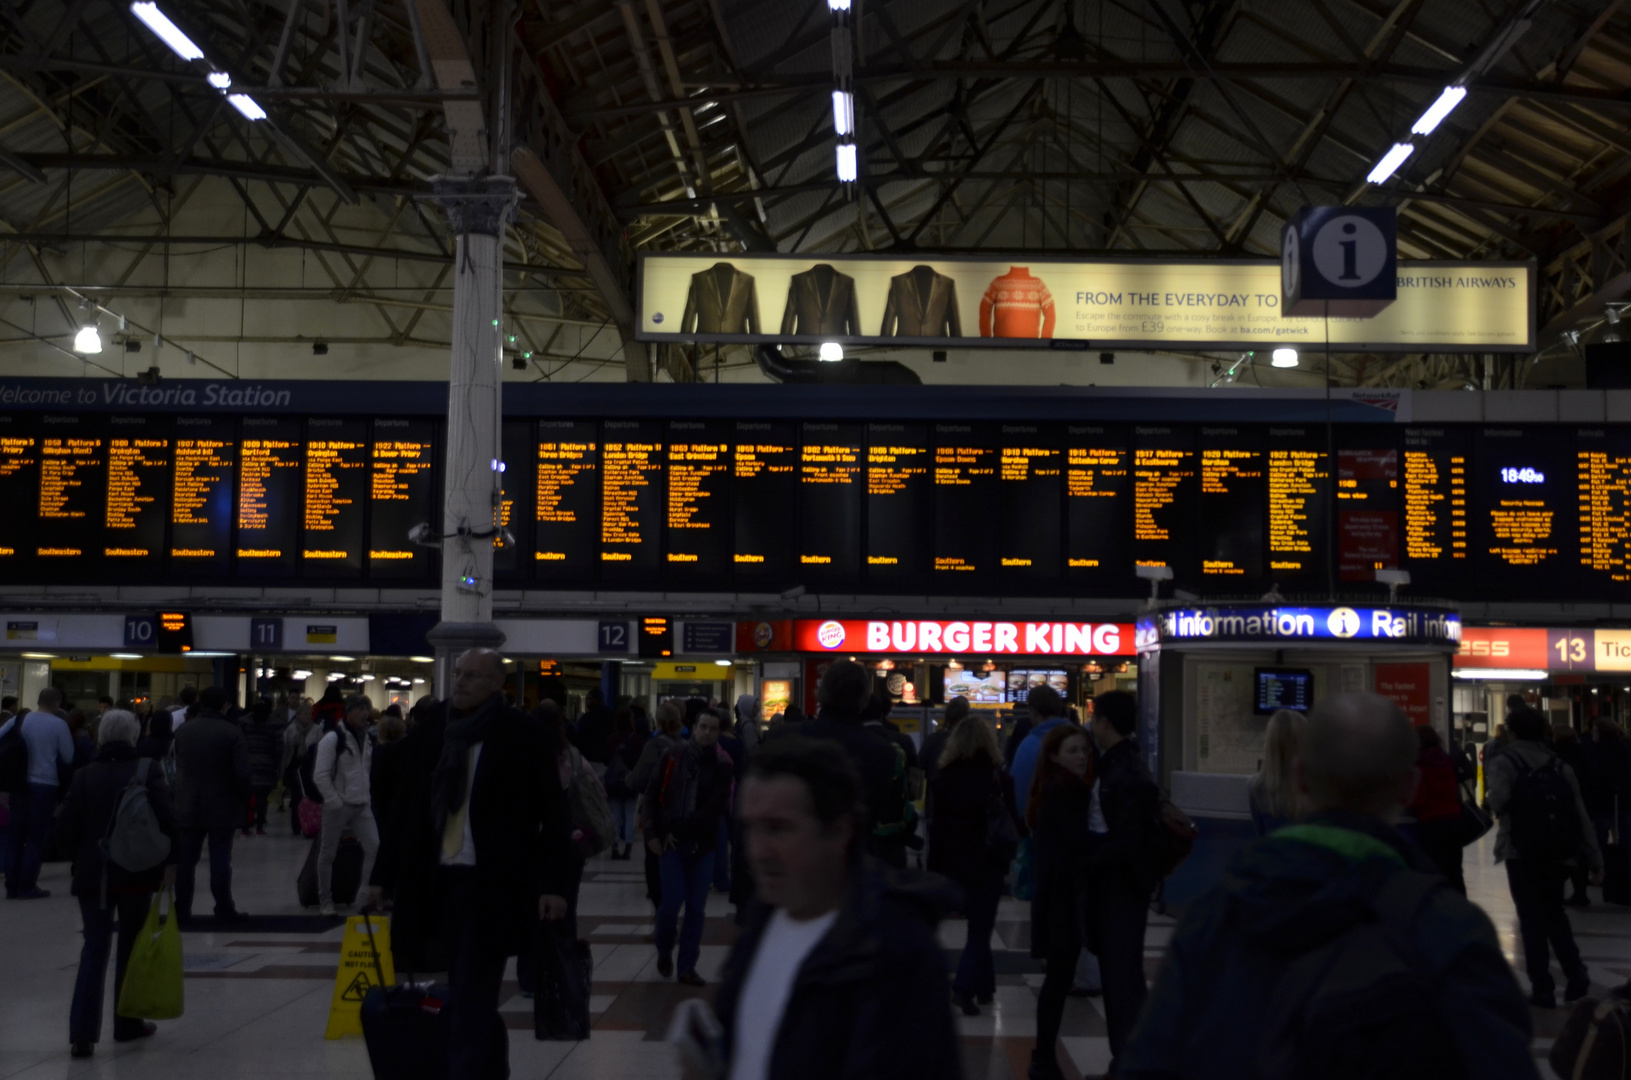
x=723 y=663
x=1284 y=358
x=88 y=340
x=831 y=350
x=247 y=105
x=843 y=112
x=1436 y=112
x=838 y=5
x=1500 y=674
x=846 y=163
x=168 y=32
x=220 y=80
x=1390 y=162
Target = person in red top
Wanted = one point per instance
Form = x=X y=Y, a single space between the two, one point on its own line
x=1437 y=808
x=1015 y=304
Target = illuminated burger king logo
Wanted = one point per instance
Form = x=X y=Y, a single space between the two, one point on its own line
x=763 y=635
x=830 y=634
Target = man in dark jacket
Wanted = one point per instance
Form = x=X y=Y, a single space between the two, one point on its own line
x=264 y=736
x=838 y=972
x=105 y=889
x=594 y=726
x=1288 y=894
x=476 y=853
x=212 y=790
x=685 y=803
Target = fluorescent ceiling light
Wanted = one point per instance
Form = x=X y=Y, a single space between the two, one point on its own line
x=831 y=350
x=88 y=340
x=1284 y=357
x=1498 y=673
x=247 y=105
x=342 y=659
x=723 y=663
x=423 y=659
x=39 y=656
x=220 y=80
x=168 y=32
x=191 y=652
x=126 y=655
x=1436 y=112
x=365 y=678
x=843 y=112
x=846 y=163
x=418 y=681
x=838 y=5
x=1390 y=162
x=301 y=674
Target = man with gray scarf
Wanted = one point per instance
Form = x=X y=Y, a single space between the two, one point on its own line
x=477 y=852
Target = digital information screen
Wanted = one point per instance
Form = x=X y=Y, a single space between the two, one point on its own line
x=401 y=494
x=73 y=474
x=19 y=489
x=1166 y=482
x=899 y=503
x=631 y=500
x=271 y=496
x=697 y=534
x=1367 y=501
x=138 y=494
x=765 y=478
x=336 y=497
x=1030 y=503
x=1283 y=688
x=1233 y=499
x=205 y=455
x=1098 y=510
x=515 y=499
x=965 y=498
x=570 y=522
x=1603 y=475
x=1299 y=505
x=1526 y=498
x=1435 y=547
x=829 y=501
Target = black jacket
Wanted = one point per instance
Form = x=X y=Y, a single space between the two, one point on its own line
x=688 y=795
x=872 y=999
x=212 y=773
x=1130 y=801
x=872 y=756
x=265 y=743
x=87 y=815
x=962 y=791
x=1279 y=896
x=1060 y=846
x=518 y=818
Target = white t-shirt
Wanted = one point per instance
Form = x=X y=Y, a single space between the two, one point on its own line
x=769 y=984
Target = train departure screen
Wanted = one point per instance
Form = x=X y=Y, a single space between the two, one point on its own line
x=1299 y=504
x=138 y=501
x=1164 y=490
x=899 y=502
x=1603 y=468
x=698 y=536
x=19 y=488
x=1367 y=502
x=337 y=478
x=965 y=500
x=1098 y=509
x=203 y=455
x=1233 y=496
x=400 y=496
x=631 y=499
x=271 y=494
x=765 y=483
x=73 y=493
x=1526 y=503
x=1436 y=546
x=1030 y=505
x=569 y=520
x=829 y=503
x=514 y=510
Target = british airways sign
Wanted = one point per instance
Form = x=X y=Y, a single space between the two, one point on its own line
x=1281 y=625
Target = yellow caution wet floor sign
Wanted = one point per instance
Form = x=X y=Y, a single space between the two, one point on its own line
x=357 y=973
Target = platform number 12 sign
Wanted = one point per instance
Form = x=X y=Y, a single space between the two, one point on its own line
x=614 y=637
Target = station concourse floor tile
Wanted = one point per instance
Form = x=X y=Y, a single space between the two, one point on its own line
x=257 y=1001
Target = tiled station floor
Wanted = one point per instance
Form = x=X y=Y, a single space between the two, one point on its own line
x=257 y=1001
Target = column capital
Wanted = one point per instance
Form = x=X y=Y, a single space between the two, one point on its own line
x=483 y=204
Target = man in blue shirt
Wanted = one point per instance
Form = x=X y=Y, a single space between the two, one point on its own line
x=49 y=744
x=1047 y=712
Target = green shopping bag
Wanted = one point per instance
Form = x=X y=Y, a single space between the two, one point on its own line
x=152 y=988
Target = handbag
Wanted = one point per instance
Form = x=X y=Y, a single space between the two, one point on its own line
x=560 y=1005
x=152 y=989
x=1474 y=822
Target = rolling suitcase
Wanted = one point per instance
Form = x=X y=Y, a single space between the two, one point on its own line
x=405 y=1027
x=347 y=873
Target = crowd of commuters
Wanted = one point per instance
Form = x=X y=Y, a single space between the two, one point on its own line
x=471 y=816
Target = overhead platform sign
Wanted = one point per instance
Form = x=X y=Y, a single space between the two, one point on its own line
x=1025 y=301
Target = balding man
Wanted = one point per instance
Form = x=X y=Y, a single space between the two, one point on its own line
x=50 y=751
x=477 y=851
x=1335 y=941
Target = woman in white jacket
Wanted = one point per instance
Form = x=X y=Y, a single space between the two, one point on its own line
x=344 y=759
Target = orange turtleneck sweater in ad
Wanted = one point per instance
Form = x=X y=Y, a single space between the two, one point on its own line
x=1017 y=305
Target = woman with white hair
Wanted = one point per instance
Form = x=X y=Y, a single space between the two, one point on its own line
x=87 y=814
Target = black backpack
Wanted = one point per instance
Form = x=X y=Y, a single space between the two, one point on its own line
x=1359 y=1006
x=1544 y=823
x=14 y=758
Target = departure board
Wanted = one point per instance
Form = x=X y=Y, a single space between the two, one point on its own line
x=828 y=541
x=19 y=488
x=1433 y=480
x=514 y=510
x=569 y=520
x=632 y=500
x=1030 y=503
x=966 y=458
x=1166 y=482
x=72 y=494
x=402 y=462
x=765 y=481
x=697 y=534
x=1299 y=505
x=1367 y=511
x=138 y=495
x=1233 y=501
x=899 y=503
x=1603 y=482
x=1098 y=510
x=337 y=477
x=271 y=496
x=203 y=457
x=1525 y=501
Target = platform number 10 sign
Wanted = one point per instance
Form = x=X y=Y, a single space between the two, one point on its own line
x=140 y=631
